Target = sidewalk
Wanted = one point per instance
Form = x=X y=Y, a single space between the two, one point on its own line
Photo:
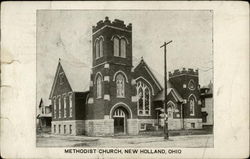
x=125 y=141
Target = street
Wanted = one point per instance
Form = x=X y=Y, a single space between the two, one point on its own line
x=188 y=141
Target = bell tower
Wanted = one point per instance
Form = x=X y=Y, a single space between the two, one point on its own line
x=112 y=60
x=112 y=43
x=186 y=82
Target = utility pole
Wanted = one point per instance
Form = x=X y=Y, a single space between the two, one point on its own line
x=166 y=135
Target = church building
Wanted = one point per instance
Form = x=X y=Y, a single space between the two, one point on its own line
x=116 y=98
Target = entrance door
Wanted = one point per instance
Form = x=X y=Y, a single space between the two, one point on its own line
x=119 y=125
x=119 y=122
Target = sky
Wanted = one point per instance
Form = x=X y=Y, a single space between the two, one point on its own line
x=67 y=34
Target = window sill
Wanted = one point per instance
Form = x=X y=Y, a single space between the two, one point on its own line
x=144 y=114
x=99 y=98
x=120 y=97
x=98 y=58
x=120 y=57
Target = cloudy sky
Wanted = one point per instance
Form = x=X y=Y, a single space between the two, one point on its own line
x=66 y=34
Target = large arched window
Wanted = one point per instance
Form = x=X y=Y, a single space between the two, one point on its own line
x=144 y=99
x=116 y=46
x=123 y=48
x=191 y=104
x=99 y=86
x=120 y=85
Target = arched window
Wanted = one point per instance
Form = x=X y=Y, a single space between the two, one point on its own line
x=119 y=46
x=120 y=82
x=192 y=104
x=64 y=106
x=170 y=109
x=97 y=53
x=54 y=107
x=123 y=48
x=99 y=87
x=144 y=99
x=70 y=105
x=59 y=105
x=116 y=46
x=101 y=47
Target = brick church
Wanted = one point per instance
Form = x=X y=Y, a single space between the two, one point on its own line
x=115 y=97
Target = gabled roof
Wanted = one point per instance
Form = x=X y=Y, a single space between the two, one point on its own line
x=150 y=73
x=161 y=97
x=45 y=102
x=78 y=75
x=160 y=80
x=209 y=89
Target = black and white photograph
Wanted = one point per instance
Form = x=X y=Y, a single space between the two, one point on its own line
x=125 y=78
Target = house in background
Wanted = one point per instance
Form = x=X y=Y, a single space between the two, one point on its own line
x=44 y=114
x=206 y=95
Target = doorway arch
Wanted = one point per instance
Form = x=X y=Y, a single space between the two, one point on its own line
x=120 y=113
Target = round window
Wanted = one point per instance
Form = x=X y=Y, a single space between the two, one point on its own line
x=191 y=85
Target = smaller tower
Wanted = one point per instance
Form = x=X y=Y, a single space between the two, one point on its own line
x=186 y=82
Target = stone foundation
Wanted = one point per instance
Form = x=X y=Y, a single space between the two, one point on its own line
x=103 y=127
x=193 y=123
x=175 y=124
x=67 y=127
x=132 y=126
x=152 y=122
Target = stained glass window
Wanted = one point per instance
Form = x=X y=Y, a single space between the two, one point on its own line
x=144 y=99
x=191 y=103
x=147 y=101
x=170 y=109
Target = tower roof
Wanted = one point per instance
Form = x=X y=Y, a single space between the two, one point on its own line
x=116 y=23
x=184 y=71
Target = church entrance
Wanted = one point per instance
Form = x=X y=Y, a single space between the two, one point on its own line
x=120 y=121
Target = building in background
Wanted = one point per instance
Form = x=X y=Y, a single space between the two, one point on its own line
x=206 y=95
x=115 y=97
x=44 y=114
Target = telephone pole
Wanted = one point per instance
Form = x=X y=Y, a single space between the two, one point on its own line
x=166 y=135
